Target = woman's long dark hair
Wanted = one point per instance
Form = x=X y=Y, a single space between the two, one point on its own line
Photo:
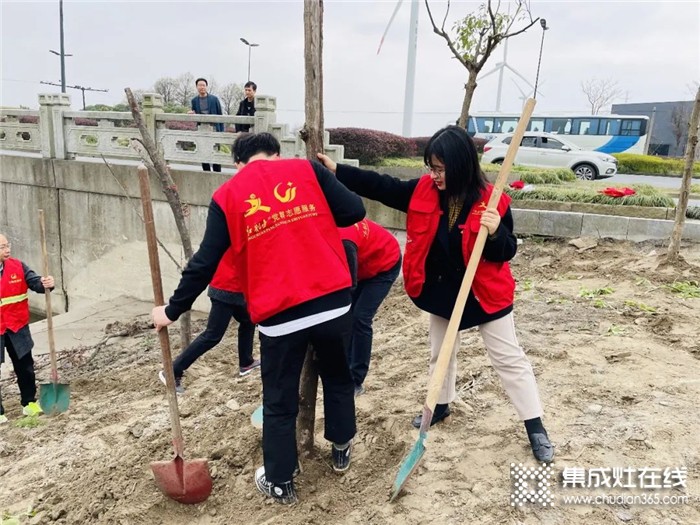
x=464 y=179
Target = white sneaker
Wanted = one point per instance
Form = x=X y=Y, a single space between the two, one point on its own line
x=179 y=389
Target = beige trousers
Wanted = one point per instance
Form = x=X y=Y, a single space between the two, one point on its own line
x=507 y=357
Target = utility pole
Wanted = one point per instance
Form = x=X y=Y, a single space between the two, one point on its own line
x=81 y=88
x=62 y=54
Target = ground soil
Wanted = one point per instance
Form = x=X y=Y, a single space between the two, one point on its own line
x=618 y=375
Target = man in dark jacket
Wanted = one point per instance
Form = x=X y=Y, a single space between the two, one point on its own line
x=273 y=214
x=15 y=279
x=247 y=106
x=207 y=104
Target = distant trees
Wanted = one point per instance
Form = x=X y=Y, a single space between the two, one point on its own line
x=680 y=117
x=600 y=93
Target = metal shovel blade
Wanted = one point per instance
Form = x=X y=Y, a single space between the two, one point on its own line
x=187 y=482
x=256 y=418
x=54 y=398
x=410 y=462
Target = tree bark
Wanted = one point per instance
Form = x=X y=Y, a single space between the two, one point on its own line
x=469 y=89
x=681 y=208
x=312 y=134
x=157 y=166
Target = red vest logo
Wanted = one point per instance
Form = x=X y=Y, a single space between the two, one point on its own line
x=256 y=205
x=289 y=194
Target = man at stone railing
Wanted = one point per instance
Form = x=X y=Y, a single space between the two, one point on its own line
x=206 y=104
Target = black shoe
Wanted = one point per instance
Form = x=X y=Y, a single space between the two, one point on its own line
x=283 y=493
x=341 y=457
x=440 y=413
x=542 y=448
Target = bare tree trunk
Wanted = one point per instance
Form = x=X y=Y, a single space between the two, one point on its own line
x=156 y=165
x=681 y=208
x=312 y=134
x=469 y=89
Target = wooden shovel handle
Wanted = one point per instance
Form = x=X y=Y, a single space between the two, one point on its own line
x=47 y=295
x=154 y=261
x=440 y=370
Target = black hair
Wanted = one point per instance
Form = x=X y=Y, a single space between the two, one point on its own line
x=249 y=144
x=201 y=78
x=456 y=150
x=251 y=85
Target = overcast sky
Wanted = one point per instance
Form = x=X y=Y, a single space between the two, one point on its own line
x=652 y=49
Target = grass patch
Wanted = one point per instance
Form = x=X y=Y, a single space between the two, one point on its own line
x=595 y=292
x=587 y=192
x=29 y=422
x=401 y=162
x=693 y=212
x=634 y=305
x=686 y=289
x=649 y=164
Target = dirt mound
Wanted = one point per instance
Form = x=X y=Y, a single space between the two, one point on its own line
x=614 y=349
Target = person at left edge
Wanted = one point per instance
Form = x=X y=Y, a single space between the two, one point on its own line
x=278 y=215
x=15 y=279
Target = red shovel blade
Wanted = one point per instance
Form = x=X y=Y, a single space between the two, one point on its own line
x=187 y=482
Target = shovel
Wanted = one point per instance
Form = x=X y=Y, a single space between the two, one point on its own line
x=410 y=462
x=256 y=418
x=54 y=397
x=184 y=481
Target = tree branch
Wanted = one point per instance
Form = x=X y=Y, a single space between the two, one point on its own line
x=444 y=35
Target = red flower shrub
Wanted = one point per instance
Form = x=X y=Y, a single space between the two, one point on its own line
x=370 y=146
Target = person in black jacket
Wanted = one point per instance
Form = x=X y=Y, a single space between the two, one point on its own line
x=445 y=210
x=271 y=235
x=247 y=106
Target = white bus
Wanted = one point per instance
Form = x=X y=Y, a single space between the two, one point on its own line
x=604 y=133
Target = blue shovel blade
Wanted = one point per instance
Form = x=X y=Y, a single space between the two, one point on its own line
x=256 y=418
x=409 y=464
x=54 y=398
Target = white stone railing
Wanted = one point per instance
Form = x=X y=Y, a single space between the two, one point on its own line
x=59 y=133
x=20 y=130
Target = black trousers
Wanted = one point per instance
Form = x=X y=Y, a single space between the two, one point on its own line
x=282 y=360
x=205 y=167
x=24 y=370
x=219 y=318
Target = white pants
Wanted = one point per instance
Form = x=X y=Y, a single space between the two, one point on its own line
x=507 y=357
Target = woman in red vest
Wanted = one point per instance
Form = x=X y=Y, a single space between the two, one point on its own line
x=445 y=210
x=374 y=256
x=15 y=279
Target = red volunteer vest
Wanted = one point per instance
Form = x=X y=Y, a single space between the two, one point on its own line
x=377 y=249
x=225 y=277
x=493 y=284
x=285 y=245
x=14 y=305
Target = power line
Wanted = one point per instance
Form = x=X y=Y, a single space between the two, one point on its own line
x=81 y=88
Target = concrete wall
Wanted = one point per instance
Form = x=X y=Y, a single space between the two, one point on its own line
x=96 y=240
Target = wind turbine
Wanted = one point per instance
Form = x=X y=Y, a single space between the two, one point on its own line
x=523 y=95
x=500 y=67
x=411 y=65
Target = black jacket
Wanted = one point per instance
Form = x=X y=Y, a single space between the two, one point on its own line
x=444 y=266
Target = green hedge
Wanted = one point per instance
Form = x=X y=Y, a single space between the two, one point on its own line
x=648 y=164
x=588 y=193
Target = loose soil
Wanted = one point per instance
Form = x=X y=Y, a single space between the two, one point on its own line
x=618 y=376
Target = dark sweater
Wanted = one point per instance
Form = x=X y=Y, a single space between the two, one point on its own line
x=444 y=265
x=246 y=108
x=347 y=209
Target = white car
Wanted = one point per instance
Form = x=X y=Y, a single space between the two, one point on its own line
x=547 y=150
